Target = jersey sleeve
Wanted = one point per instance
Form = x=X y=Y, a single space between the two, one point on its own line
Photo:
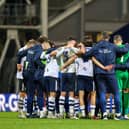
x=75 y=50
x=89 y=53
x=122 y=50
x=122 y=66
x=59 y=52
x=21 y=54
x=38 y=61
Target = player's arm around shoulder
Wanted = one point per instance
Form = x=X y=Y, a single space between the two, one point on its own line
x=123 y=49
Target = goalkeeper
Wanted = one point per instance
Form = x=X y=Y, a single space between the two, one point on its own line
x=122 y=74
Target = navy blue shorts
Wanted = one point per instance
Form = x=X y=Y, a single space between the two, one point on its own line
x=85 y=83
x=50 y=84
x=68 y=82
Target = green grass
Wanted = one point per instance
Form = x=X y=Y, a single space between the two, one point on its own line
x=9 y=120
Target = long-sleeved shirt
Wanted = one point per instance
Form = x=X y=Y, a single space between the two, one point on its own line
x=105 y=52
x=30 y=54
x=122 y=62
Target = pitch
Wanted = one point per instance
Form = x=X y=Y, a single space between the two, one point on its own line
x=9 y=120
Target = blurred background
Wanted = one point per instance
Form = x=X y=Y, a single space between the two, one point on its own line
x=21 y=20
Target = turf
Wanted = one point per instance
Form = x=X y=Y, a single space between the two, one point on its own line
x=9 y=120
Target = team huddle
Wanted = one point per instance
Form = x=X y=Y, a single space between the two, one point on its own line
x=74 y=80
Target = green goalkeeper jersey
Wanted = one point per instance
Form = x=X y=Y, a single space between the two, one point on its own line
x=122 y=75
x=122 y=59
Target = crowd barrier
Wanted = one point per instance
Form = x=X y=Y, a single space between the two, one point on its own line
x=8 y=102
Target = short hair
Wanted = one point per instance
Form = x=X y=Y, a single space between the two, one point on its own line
x=42 y=39
x=71 y=38
x=105 y=35
x=117 y=37
x=52 y=43
x=31 y=41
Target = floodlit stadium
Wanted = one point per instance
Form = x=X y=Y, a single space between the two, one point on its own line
x=64 y=64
